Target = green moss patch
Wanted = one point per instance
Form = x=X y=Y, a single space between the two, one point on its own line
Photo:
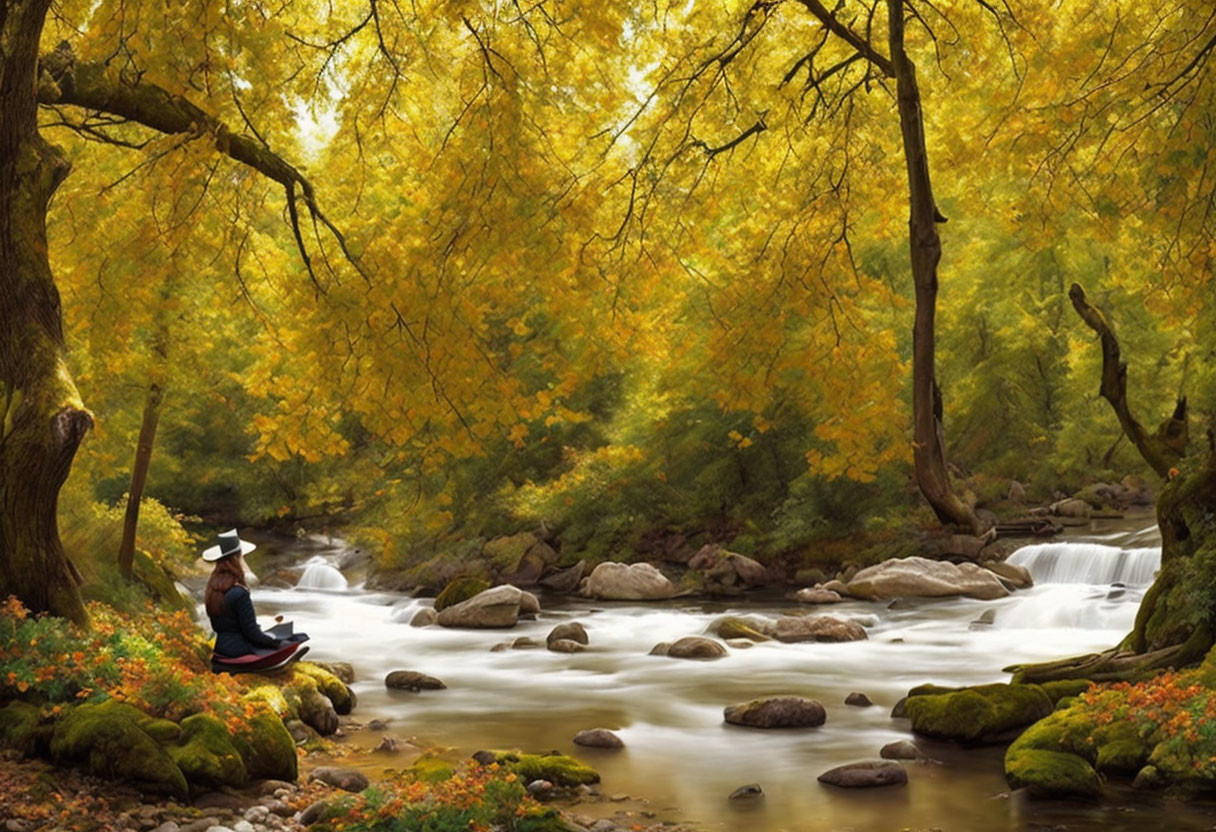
x=979 y=714
x=461 y=589
x=107 y=741
x=558 y=769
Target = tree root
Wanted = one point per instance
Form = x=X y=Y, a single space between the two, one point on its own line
x=1112 y=665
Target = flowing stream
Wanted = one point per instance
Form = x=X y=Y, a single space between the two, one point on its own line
x=681 y=760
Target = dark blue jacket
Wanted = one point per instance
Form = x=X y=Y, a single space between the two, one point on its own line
x=236 y=627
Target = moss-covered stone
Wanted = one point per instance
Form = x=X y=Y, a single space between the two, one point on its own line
x=326 y=683
x=432 y=769
x=18 y=724
x=106 y=739
x=559 y=769
x=206 y=754
x=1051 y=774
x=460 y=589
x=267 y=749
x=1064 y=688
x=979 y=714
x=162 y=730
x=732 y=627
x=273 y=697
x=543 y=819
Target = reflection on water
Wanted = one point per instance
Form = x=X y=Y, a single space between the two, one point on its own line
x=681 y=755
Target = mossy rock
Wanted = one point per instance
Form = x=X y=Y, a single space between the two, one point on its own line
x=272 y=696
x=431 y=769
x=979 y=714
x=108 y=741
x=558 y=769
x=267 y=749
x=543 y=819
x=732 y=627
x=1064 y=688
x=327 y=683
x=162 y=730
x=1109 y=746
x=1051 y=774
x=18 y=725
x=206 y=754
x=507 y=553
x=461 y=589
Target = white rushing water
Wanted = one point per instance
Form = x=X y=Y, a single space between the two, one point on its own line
x=678 y=751
x=319 y=573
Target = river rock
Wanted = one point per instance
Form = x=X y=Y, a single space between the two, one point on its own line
x=722 y=571
x=736 y=627
x=1016 y=576
x=1071 y=507
x=816 y=595
x=900 y=750
x=777 y=712
x=565 y=581
x=924 y=578
x=566 y=645
x=748 y=792
x=529 y=605
x=866 y=774
x=425 y=617
x=524 y=643
x=412 y=680
x=796 y=628
x=598 y=738
x=740 y=643
x=343 y=670
x=318 y=711
x=660 y=649
x=696 y=647
x=570 y=630
x=837 y=586
x=628 y=582
x=494 y=608
x=346 y=779
x=858 y=700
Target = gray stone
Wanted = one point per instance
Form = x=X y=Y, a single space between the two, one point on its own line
x=777 y=712
x=660 y=649
x=858 y=700
x=817 y=595
x=748 y=792
x=696 y=647
x=598 y=738
x=496 y=608
x=924 y=578
x=412 y=680
x=569 y=630
x=346 y=779
x=866 y=774
x=565 y=645
x=628 y=582
x=900 y=750
x=313 y=813
x=425 y=617
x=798 y=628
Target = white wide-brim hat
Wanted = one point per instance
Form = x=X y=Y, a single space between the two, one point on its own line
x=230 y=544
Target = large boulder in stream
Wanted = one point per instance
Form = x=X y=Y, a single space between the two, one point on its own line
x=866 y=774
x=984 y=713
x=628 y=582
x=495 y=608
x=923 y=578
x=777 y=712
x=798 y=628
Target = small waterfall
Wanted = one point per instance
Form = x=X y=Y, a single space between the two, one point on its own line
x=1089 y=563
x=321 y=574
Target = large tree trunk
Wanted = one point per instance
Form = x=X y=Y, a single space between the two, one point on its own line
x=929 y=452
x=42 y=419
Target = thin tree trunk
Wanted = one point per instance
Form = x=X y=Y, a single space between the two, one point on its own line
x=42 y=419
x=139 y=478
x=929 y=453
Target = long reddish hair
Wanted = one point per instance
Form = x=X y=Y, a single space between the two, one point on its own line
x=227 y=574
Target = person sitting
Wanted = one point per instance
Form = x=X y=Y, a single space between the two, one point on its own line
x=240 y=644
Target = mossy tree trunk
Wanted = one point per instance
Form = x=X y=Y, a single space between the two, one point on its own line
x=42 y=419
x=1176 y=623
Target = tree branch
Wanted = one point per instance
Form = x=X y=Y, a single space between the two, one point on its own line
x=65 y=81
x=1161 y=450
x=842 y=31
